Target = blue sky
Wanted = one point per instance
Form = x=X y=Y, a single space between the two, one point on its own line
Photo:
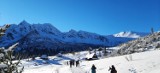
x=98 y=16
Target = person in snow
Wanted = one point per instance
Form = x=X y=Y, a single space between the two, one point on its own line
x=77 y=63
x=70 y=63
x=93 y=69
x=112 y=69
x=73 y=62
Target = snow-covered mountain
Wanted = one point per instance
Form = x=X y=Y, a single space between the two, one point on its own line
x=47 y=36
x=130 y=34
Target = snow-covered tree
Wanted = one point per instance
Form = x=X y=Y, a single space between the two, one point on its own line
x=100 y=49
x=7 y=65
x=89 y=50
x=3 y=29
x=105 y=52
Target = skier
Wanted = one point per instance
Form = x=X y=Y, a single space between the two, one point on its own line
x=113 y=69
x=93 y=69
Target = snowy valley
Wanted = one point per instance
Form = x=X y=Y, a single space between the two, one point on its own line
x=79 y=36
x=145 y=60
x=133 y=52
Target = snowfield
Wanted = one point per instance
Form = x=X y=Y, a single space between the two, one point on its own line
x=145 y=62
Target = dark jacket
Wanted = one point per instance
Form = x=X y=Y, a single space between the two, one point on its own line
x=93 y=69
x=113 y=69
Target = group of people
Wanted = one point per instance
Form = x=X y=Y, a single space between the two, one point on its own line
x=76 y=63
x=112 y=69
x=72 y=63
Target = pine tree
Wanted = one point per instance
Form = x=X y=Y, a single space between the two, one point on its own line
x=6 y=57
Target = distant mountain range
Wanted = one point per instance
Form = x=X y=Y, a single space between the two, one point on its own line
x=49 y=37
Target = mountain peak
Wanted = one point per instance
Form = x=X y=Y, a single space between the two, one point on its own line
x=24 y=23
x=72 y=31
x=130 y=34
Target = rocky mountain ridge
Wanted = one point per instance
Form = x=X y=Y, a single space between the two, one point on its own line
x=47 y=36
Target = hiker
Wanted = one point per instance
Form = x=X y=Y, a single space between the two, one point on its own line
x=67 y=63
x=93 y=69
x=77 y=63
x=73 y=62
x=70 y=63
x=113 y=69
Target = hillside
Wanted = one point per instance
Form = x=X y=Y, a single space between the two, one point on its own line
x=146 y=43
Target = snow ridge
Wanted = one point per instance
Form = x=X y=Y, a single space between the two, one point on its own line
x=130 y=34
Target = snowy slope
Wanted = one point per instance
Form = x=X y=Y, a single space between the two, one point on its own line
x=145 y=62
x=85 y=37
x=16 y=32
x=141 y=44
